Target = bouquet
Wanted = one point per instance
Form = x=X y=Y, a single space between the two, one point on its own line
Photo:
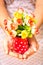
x=20 y=28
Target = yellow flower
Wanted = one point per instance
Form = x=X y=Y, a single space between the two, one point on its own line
x=27 y=17
x=35 y=21
x=17 y=15
x=24 y=34
x=12 y=19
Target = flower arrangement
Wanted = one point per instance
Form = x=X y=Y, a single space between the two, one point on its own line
x=21 y=27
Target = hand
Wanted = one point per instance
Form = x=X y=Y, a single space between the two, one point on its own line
x=33 y=48
x=8 y=51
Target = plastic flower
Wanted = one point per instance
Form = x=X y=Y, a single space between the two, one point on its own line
x=22 y=24
x=27 y=17
x=18 y=15
x=24 y=34
x=14 y=33
x=20 y=10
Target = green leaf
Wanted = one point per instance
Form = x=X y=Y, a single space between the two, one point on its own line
x=27 y=28
x=23 y=17
x=21 y=27
x=30 y=34
x=12 y=20
x=18 y=31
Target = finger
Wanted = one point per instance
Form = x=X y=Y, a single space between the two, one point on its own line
x=33 y=48
x=6 y=49
x=20 y=57
x=14 y=54
x=5 y=46
x=33 y=43
x=17 y=55
x=28 y=53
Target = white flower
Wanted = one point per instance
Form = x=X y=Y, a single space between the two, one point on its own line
x=33 y=29
x=20 y=11
x=34 y=26
x=15 y=19
x=25 y=14
x=23 y=23
x=30 y=15
x=14 y=33
x=26 y=22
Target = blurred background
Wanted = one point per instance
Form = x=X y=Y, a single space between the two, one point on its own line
x=35 y=59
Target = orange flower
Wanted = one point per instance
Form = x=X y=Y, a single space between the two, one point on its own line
x=19 y=21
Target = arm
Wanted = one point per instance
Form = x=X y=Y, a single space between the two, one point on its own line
x=39 y=16
x=3 y=13
x=39 y=12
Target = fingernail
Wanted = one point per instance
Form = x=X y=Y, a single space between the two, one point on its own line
x=13 y=54
x=20 y=56
x=24 y=56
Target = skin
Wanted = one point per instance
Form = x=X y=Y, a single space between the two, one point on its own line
x=38 y=15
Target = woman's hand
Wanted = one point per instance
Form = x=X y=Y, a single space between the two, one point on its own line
x=8 y=51
x=33 y=48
